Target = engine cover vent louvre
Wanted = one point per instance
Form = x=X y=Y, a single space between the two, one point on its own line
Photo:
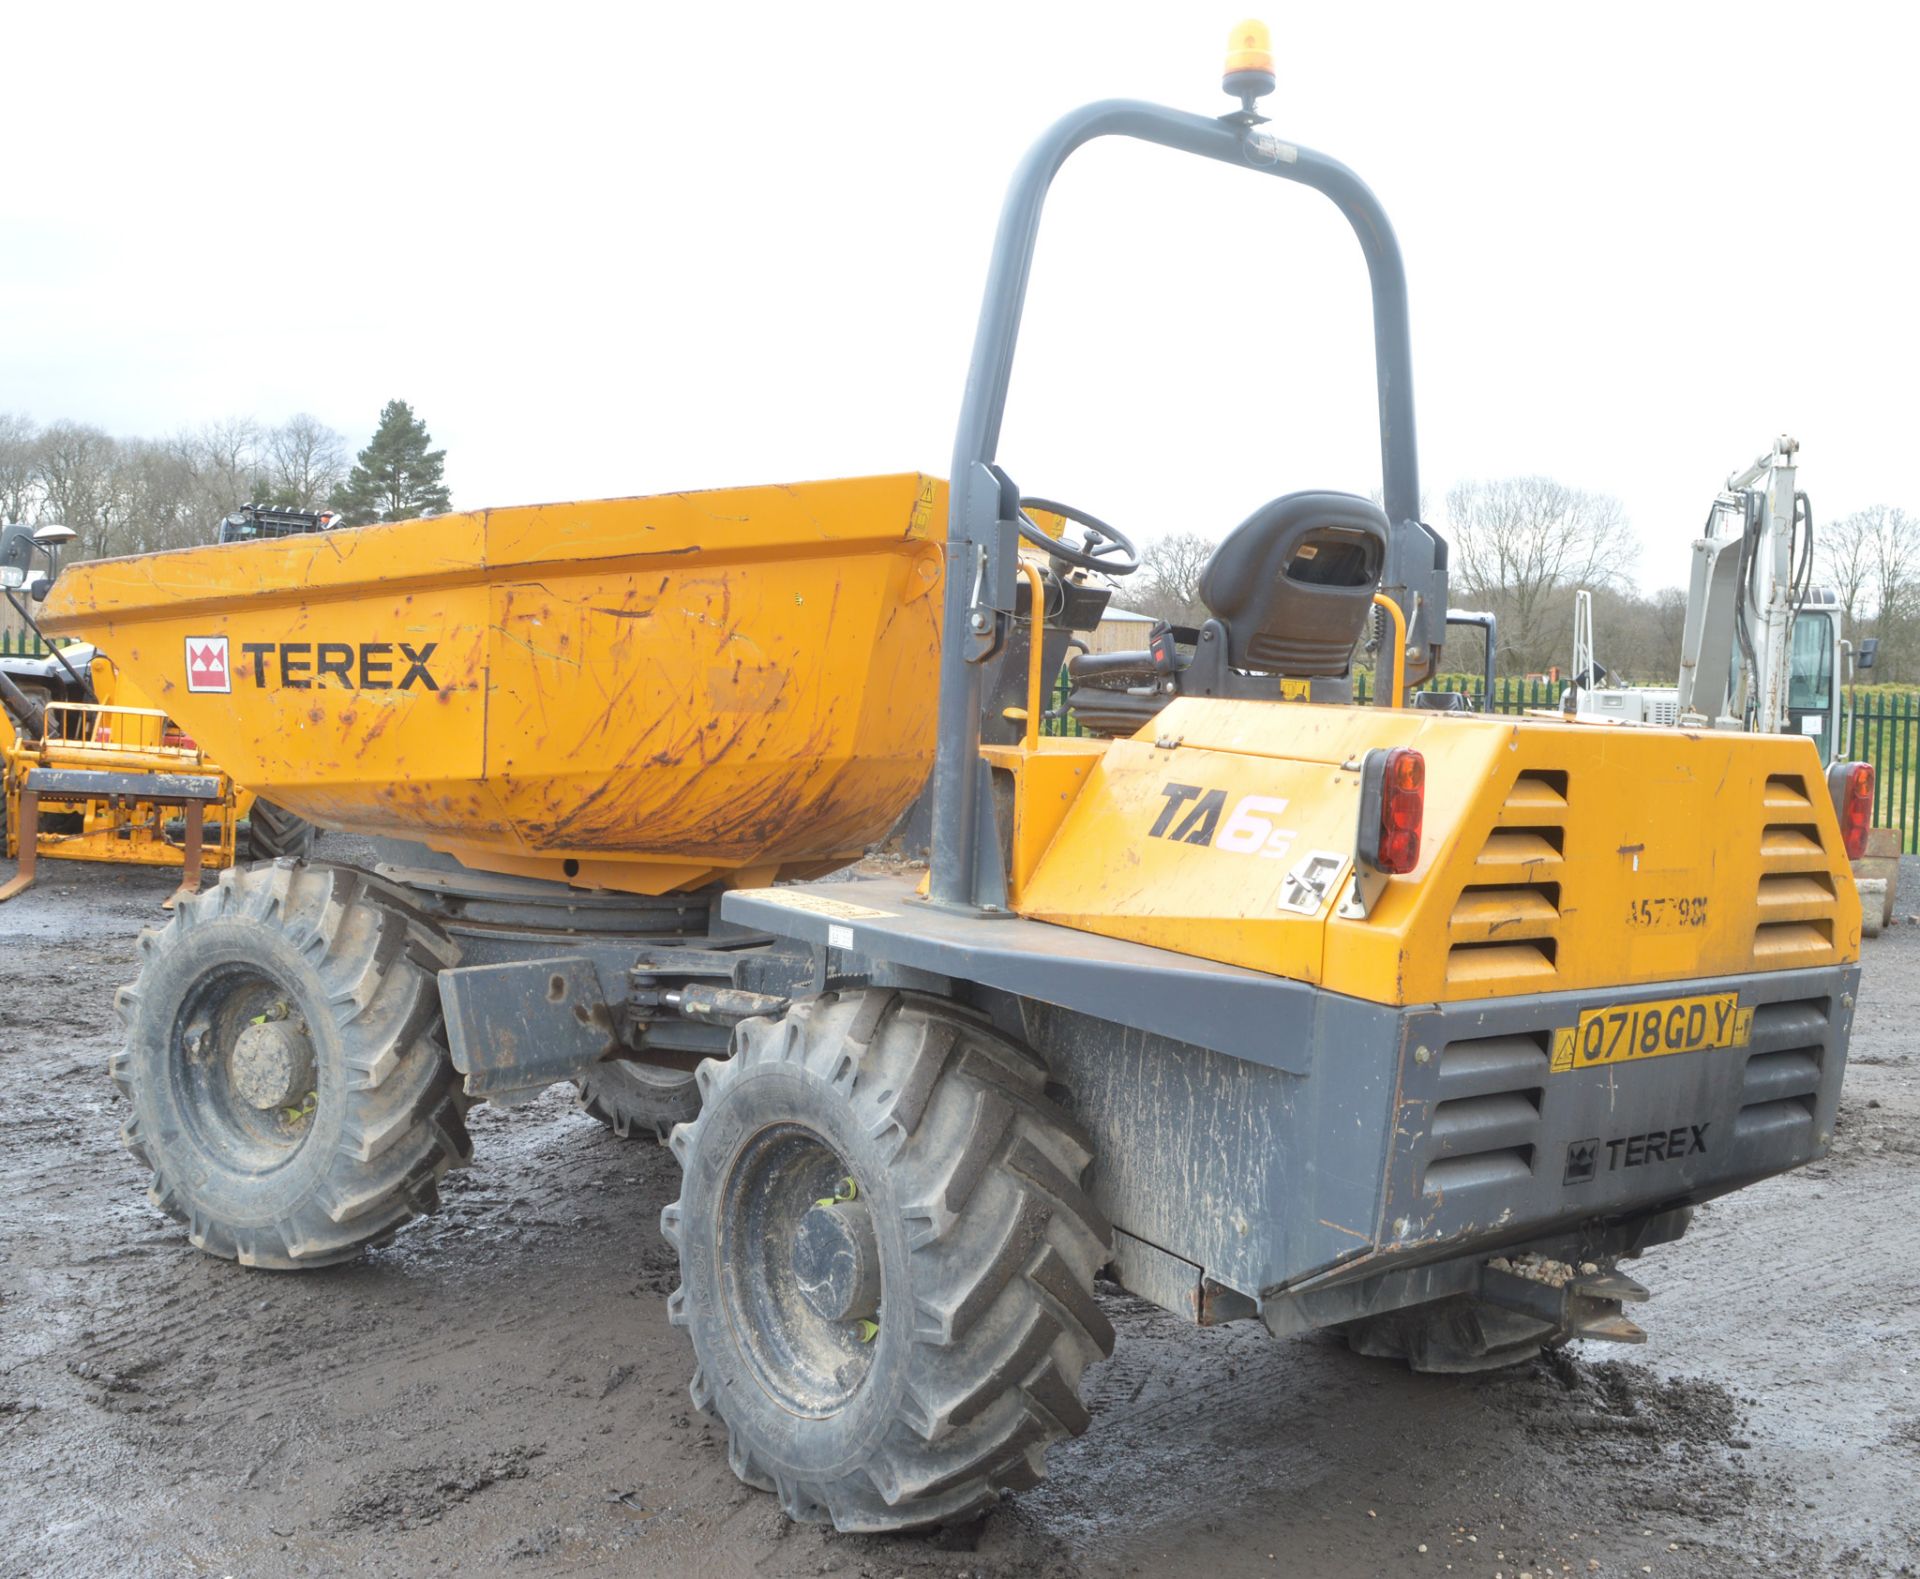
x=1505 y=925
x=1794 y=902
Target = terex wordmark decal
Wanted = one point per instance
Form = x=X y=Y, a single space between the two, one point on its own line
x=362 y=666
x=1633 y=1151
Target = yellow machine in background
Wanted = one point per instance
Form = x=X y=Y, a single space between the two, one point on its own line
x=105 y=780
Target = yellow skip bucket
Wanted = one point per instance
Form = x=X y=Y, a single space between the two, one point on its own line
x=640 y=694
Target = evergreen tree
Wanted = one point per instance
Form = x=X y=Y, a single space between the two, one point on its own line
x=396 y=477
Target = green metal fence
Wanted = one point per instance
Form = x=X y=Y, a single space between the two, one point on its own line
x=21 y=644
x=1886 y=732
x=1509 y=696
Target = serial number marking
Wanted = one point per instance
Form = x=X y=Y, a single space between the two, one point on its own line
x=1652 y=1030
x=1668 y=912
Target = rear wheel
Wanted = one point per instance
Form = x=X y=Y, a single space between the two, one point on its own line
x=274 y=832
x=283 y=1063
x=638 y=1099
x=887 y=1261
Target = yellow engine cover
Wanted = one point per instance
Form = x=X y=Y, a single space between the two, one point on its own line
x=1555 y=856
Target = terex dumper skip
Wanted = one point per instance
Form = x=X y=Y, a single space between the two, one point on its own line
x=1414 y=1023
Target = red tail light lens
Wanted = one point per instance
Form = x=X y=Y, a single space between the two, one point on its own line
x=1393 y=804
x=1851 y=786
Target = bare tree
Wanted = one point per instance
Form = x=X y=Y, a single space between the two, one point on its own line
x=1847 y=556
x=74 y=463
x=19 y=468
x=152 y=500
x=1167 y=584
x=306 y=461
x=133 y=496
x=226 y=458
x=1895 y=557
x=1519 y=541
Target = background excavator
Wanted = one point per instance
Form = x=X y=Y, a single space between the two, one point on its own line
x=1762 y=648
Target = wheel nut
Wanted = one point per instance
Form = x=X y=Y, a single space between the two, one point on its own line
x=271 y=1065
x=836 y=1261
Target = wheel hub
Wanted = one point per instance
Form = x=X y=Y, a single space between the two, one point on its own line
x=271 y=1065
x=836 y=1261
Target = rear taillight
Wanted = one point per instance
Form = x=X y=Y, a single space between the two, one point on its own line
x=1851 y=786
x=1393 y=802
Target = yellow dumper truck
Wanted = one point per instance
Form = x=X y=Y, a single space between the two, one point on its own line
x=1411 y=1023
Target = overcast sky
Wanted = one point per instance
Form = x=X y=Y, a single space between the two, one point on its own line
x=608 y=250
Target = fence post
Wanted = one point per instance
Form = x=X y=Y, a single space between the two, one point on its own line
x=1904 y=765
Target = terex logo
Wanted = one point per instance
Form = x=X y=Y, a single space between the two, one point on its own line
x=369 y=666
x=1633 y=1151
x=207 y=668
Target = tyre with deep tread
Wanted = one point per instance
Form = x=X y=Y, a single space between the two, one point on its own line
x=274 y=833
x=638 y=1099
x=288 y=1087
x=917 y=1120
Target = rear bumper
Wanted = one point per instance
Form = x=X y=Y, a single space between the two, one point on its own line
x=1489 y=1138
x=1405 y=1146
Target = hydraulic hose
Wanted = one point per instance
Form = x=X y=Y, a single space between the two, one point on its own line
x=1803 y=580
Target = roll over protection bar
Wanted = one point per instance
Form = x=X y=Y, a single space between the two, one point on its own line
x=983 y=503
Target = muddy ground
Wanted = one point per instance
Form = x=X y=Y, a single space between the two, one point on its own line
x=500 y=1392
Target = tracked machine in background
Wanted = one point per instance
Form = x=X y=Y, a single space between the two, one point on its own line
x=1412 y=1024
x=1762 y=647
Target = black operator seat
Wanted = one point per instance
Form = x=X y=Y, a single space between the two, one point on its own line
x=1294 y=583
x=1290 y=591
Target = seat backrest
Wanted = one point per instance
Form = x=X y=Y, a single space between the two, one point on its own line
x=1294 y=582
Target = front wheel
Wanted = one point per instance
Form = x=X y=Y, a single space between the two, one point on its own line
x=887 y=1260
x=637 y=1099
x=273 y=832
x=283 y=1066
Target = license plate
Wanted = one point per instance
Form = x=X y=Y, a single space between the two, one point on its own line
x=1633 y=1031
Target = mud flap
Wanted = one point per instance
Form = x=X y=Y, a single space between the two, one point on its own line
x=515 y=1029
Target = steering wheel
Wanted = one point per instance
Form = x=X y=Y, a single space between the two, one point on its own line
x=1105 y=548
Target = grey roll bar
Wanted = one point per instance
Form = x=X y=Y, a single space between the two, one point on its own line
x=982 y=504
